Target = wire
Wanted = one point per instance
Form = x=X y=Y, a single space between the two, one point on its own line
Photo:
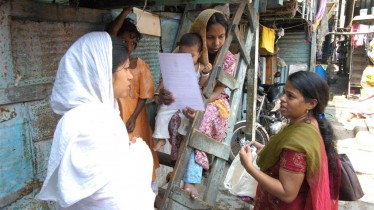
x=283 y=28
x=145 y=4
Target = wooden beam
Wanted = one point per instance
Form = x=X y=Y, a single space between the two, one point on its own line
x=184 y=198
x=242 y=47
x=351 y=33
x=27 y=93
x=262 y=6
x=252 y=89
x=32 y=10
x=252 y=14
x=228 y=80
x=105 y=4
x=206 y=144
x=165 y=159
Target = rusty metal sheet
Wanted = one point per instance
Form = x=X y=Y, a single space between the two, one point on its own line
x=148 y=49
x=15 y=153
x=37 y=48
x=29 y=202
x=42 y=151
x=5 y=53
x=43 y=120
x=169 y=30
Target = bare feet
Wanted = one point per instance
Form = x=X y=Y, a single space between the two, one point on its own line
x=190 y=188
x=159 y=144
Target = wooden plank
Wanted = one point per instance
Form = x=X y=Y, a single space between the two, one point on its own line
x=262 y=6
x=186 y=151
x=27 y=93
x=165 y=159
x=215 y=177
x=252 y=13
x=33 y=10
x=228 y=80
x=242 y=47
x=179 y=167
x=182 y=25
x=184 y=198
x=104 y=4
x=204 y=143
x=252 y=90
x=313 y=50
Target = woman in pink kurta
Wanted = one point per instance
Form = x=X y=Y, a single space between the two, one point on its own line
x=212 y=27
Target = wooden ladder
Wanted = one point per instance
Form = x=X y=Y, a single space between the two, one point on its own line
x=176 y=198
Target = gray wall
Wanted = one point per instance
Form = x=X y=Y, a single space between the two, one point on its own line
x=293 y=49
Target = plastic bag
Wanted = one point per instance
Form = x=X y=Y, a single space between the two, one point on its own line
x=238 y=181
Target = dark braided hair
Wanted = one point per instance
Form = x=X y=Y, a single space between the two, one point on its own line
x=313 y=86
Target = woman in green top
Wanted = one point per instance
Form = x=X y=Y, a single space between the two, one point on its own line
x=299 y=167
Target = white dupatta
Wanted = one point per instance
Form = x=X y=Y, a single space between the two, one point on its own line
x=91 y=164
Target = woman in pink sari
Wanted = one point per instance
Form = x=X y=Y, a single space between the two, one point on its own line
x=299 y=167
x=212 y=26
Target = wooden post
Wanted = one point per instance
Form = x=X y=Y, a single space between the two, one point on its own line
x=252 y=89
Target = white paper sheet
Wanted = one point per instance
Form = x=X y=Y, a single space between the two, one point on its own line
x=179 y=77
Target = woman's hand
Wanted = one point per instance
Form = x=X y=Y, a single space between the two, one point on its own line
x=245 y=155
x=189 y=112
x=165 y=97
x=127 y=10
x=256 y=144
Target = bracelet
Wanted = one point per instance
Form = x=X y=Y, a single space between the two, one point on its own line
x=156 y=94
x=204 y=74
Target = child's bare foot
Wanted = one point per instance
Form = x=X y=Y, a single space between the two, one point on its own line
x=190 y=188
x=160 y=143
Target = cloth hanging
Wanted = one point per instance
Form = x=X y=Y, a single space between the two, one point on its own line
x=268 y=39
x=360 y=39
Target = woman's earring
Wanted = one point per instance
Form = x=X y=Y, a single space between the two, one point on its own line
x=307 y=120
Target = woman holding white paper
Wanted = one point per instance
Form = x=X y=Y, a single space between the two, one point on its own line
x=212 y=27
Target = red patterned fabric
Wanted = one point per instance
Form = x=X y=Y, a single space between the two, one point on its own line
x=291 y=161
x=213 y=124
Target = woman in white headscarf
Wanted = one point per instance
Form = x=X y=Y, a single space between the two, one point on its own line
x=92 y=164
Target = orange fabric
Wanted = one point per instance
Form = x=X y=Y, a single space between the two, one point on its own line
x=141 y=87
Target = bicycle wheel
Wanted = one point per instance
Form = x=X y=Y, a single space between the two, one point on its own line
x=239 y=132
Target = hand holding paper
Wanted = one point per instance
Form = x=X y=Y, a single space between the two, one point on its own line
x=179 y=77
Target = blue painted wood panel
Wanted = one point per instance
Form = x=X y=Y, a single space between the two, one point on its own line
x=16 y=165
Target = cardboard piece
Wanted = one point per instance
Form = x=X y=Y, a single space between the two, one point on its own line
x=147 y=23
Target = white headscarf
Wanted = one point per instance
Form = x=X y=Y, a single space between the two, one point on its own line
x=85 y=74
x=91 y=165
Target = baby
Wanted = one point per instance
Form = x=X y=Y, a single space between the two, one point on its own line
x=189 y=43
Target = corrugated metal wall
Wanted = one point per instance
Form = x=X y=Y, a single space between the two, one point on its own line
x=293 y=49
